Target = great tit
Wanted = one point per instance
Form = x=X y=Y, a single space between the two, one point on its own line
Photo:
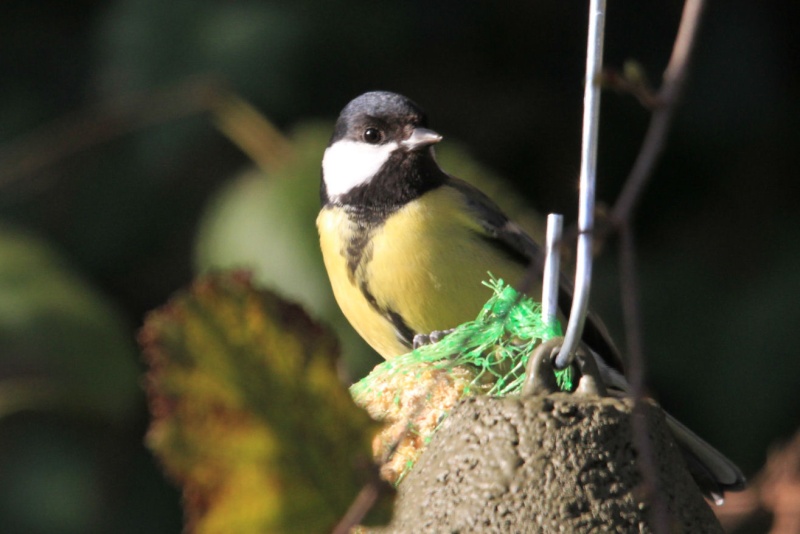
x=406 y=247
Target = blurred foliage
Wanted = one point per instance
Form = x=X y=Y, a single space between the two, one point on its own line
x=264 y=223
x=250 y=417
x=137 y=188
x=64 y=349
x=76 y=348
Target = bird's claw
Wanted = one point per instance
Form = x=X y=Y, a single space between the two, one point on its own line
x=420 y=340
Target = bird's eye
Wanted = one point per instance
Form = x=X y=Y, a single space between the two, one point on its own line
x=373 y=136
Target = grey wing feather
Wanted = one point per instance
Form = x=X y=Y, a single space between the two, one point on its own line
x=713 y=472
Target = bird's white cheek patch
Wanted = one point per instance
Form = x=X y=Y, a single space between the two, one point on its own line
x=348 y=164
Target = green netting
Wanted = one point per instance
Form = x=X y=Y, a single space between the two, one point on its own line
x=497 y=345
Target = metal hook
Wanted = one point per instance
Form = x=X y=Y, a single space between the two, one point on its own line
x=591 y=121
x=591 y=382
x=539 y=376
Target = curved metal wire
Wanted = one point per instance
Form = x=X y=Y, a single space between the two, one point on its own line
x=591 y=121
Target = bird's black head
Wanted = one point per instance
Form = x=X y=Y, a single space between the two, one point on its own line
x=378 y=117
x=380 y=153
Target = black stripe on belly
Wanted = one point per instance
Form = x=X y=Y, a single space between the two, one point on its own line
x=362 y=223
x=403 y=332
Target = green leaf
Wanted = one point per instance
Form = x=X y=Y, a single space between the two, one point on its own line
x=249 y=415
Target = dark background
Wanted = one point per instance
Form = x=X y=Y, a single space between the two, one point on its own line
x=91 y=241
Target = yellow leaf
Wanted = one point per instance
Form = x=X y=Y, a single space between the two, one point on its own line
x=249 y=416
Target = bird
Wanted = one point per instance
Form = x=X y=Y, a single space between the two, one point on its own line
x=406 y=247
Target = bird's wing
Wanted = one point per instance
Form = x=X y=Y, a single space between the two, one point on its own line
x=513 y=240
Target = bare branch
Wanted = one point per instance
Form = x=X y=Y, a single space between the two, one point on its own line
x=78 y=131
x=652 y=147
x=361 y=505
x=660 y=519
x=81 y=130
x=667 y=98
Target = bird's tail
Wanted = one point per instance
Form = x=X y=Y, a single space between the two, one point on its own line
x=713 y=472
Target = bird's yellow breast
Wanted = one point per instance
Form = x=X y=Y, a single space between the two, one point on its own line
x=425 y=263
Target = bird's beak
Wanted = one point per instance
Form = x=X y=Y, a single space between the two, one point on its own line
x=420 y=138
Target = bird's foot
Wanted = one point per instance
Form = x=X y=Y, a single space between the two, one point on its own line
x=420 y=340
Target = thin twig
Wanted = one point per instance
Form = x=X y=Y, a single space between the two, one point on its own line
x=668 y=96
x=659 y=514
x=361 y=505
x=652 y=148
x=633 y=83
x=81 y=130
